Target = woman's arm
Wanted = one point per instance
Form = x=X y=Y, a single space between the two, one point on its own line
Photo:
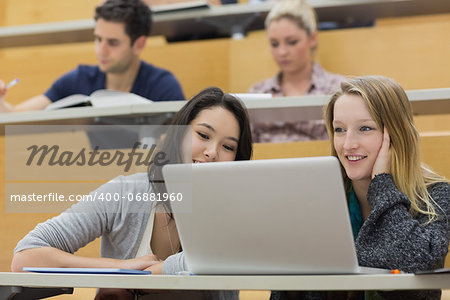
x=54 y=242
x=52 y=257
x=392 y=238
x=173 y=265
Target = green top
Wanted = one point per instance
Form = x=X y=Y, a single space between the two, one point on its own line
x=356 y=217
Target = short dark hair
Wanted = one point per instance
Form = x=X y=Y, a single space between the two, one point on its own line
x=136 y=15
x=208 y=98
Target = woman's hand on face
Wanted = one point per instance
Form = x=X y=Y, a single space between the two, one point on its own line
x=383 y=161
x=139 y=263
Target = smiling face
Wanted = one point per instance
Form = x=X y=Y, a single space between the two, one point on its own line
x=357 y=138
x=291 y=46
x=113 y=47
x=214 y=136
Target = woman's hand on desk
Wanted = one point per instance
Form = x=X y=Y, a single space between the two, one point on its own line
x=139 y=263
x=156 y=269
x=52 y=257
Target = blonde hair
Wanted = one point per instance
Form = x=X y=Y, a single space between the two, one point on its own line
x=296 y=10
x=389 y=107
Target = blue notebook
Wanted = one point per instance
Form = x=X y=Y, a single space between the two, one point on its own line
x=86 y=271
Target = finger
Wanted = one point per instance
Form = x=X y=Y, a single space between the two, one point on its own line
x=386 y=137
x=2 y=87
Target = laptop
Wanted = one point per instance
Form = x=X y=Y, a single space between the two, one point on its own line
x=275 y=216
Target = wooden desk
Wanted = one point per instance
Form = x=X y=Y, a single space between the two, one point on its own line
x=429 y=101
x=218 y=282
x=222 y=20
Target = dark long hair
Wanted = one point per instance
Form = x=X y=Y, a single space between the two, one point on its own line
x=172 y=142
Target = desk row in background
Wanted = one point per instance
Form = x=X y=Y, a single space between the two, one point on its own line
x=424 y=102
x=233 y=20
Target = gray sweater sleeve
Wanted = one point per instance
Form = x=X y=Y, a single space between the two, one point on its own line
x=177 y=263
x=174 y=264
x=69 y=231
x=391 y=238
x=116 y=221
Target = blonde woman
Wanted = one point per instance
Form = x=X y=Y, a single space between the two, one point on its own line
x=291 y=27
x=399 y=208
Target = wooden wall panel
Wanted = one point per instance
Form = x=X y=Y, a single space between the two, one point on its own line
x=196 y=64
x=433 y=124
x=2 y=13
x=14 y=226
x=250 y=62
x=38 y=67
x=19 y=12
x=412 y=51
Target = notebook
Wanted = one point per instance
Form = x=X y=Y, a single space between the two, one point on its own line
x=277 y=216
x=85 y=271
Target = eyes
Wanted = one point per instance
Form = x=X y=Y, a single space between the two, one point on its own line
x=205 y=137
x=110 y=42
x=366 y=128
x=360 y=129
x=275 y=44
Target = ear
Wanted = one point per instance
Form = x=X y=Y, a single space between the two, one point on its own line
x=139 y=44
x=313 y=40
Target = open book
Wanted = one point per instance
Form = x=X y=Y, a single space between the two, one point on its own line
x=99 y=98
x=162 y=6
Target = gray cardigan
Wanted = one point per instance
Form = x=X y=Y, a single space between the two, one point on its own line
x=121 y=224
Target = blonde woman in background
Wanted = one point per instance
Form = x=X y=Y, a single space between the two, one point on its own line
x=291 y=27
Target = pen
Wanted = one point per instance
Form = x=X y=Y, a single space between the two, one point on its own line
x=185 y=273
x=12 y=83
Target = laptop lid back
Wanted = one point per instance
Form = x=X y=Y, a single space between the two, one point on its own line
x=277 y=216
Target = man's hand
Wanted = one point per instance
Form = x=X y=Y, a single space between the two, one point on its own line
x=3 y=90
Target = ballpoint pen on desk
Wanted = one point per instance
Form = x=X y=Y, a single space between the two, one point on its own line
x=185 y=273
x=12 y=83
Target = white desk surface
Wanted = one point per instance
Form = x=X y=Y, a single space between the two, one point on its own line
x=294 y=282
x=428 y=101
